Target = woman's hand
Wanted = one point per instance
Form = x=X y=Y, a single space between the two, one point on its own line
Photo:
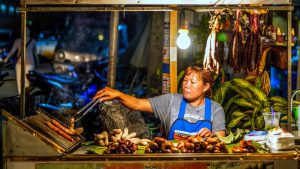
x=130 y=102
x=107 y=94
x=204 y=132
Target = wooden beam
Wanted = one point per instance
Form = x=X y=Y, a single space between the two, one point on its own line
x=154 y=2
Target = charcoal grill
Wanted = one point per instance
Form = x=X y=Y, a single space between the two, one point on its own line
x=37 y=125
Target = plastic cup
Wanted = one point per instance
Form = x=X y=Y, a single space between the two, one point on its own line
x=271 y=120
x=295 y=113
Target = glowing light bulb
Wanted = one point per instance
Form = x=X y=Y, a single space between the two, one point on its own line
x=183 y=41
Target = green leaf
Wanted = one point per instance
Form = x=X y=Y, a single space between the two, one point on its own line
x=235 y=121
x=258 y=81
x=228 y=114
x=239 y=134
x=244 y=103
x=87 y=143
x=228 y=139
x=266 y=109
x=224 y=89
x=241 y=91
x=295 y=102
x=260 y=122
x=229 y=102
x=241 y=82
x=237 y=114
x=253 y=117
x=278 y=99
x=258 y=93
x=246 y=125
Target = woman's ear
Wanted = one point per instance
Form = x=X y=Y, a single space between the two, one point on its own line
x=206 y=87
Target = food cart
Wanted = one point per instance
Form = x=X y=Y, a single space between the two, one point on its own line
x=26 y=147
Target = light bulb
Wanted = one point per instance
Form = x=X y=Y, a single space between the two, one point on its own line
x=183 y=41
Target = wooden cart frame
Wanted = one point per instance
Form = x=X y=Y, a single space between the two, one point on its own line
x=114 y=6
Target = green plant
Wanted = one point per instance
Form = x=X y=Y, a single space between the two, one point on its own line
x=244 y=103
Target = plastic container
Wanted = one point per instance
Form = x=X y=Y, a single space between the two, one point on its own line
x=295 y=113
x=271 y=120
x=296 y=117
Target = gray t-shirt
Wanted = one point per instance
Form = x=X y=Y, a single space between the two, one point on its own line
x=166 y=108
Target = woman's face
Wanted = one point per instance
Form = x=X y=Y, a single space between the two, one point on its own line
x=193 y=87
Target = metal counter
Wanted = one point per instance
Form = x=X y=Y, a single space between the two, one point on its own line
x=155 y=161
x=291 y=155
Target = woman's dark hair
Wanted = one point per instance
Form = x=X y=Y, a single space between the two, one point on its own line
x=205 y=75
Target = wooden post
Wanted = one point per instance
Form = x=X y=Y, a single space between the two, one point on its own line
x=173 y=52
x=166 y=55
x=113 y=49
x=23 y=55
x=289 y=75
x=169 y=70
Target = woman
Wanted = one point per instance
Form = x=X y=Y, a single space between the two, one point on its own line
x=185 y=114
x=30 y=58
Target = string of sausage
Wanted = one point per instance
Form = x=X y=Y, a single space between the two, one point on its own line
x=252 y=52
x=57 y=124
x=235 y=54
x=59 y=131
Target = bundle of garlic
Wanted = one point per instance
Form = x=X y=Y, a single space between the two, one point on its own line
x=115 y=135
x=209 y=61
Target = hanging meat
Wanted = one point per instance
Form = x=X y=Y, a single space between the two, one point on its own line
x=252 y=46
x=219 y=54
x=236 y=47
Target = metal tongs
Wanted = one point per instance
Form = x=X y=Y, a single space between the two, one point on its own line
x=85 y=109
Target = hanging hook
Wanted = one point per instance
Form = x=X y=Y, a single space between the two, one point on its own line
x=123 y=12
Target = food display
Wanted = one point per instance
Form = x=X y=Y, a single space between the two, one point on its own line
x=121 y=146
x=122 y=142
x=244 y=147
x=279 y=139
x=60 y=126
x=59 y=131
x=63 y=131
x=119 y=141
x=194 y=144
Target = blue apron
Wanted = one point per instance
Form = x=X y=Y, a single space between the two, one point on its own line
x=182 y=128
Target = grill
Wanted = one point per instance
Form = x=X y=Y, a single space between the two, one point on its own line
x=38 y=123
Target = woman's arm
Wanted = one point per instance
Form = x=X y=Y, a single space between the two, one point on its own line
x=14 y=48
x=131 y=102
